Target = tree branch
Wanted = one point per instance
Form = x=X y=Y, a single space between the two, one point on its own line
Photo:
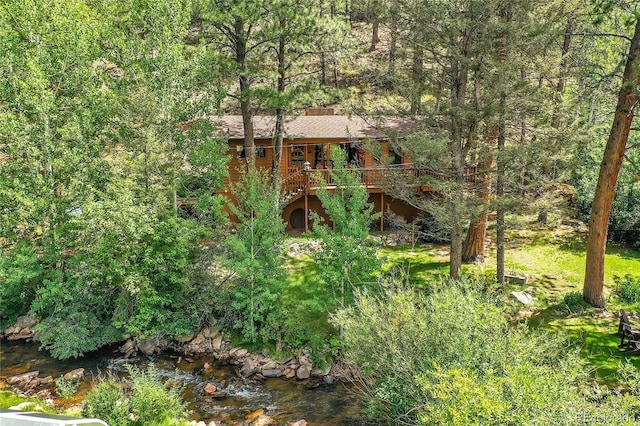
x=626 y=37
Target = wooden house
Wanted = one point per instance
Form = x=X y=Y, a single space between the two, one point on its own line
x=308 y=143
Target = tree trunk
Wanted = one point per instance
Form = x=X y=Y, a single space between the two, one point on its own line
x=375 y=38
x=460 y=74
x=247 y=121
x=278 y=135
x=473 y=247
x=417 y=67
x=500 y=181
x=608 y=178
x=558 y=94
x=393 y=39
x=245 y=97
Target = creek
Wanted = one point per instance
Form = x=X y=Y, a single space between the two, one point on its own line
x=283 y=400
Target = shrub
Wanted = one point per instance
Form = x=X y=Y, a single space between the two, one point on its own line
x=108 y=402
x=148 y=401
x=452 y=358
x=151 y=401
x=21 y=273
x=627 y=288
x=66 y=388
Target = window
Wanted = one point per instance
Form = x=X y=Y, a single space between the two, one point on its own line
x=261 y=151
x=395 y=155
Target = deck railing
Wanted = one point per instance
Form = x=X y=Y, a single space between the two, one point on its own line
x=301 y=181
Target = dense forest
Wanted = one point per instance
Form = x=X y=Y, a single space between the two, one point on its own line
x=108 y=114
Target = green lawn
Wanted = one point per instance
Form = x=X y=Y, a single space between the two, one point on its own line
x=554 y=258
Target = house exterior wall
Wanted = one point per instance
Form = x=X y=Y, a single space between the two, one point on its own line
x=293 y=213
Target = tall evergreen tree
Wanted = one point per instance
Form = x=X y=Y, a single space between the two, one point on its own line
x=609 y=171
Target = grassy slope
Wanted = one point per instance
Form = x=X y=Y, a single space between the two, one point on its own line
x=554 y=258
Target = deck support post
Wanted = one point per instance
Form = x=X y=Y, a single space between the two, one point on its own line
x=382 y=212
x=306 y=200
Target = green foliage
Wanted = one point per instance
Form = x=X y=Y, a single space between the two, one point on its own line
x=252 y=253
x=66 y=388
x=21 y=272
x=627 y=288
x=107 y=401
x=147 y=400
x=349 y=259
x=575 y=303
x=97 y=135
x=451 y=357
x=9 y=399
x=624 y=224
x=151 y=401
x=133 y=277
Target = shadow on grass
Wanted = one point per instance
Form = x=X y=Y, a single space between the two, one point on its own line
x=596 y=337
x=421 y=266
x=623 y=252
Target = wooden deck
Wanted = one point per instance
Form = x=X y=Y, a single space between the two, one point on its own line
x=376 y=179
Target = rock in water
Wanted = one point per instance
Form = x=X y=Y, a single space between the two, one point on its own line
x=74 y=375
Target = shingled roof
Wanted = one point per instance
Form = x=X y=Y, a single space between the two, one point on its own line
x=318 y=127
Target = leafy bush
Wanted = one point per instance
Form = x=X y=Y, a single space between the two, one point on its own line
x=21 y=274
x=147 y=402
x=151 y=401
x=66 y=388
x=108 y=402
x=627 y=288
x=132 y=278
x=452 y=358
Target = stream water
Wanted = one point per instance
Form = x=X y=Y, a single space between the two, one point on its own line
x=283 y=400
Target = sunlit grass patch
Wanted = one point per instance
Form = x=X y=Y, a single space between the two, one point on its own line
x=9 y=399
x=598 y=339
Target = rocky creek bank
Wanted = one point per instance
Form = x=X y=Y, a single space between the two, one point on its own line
x=206 y=343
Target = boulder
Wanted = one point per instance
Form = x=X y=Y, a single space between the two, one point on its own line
x=303 y=372
x=254 y=415
x=24 y=377
x=248 y=368
x=238 y=353
x=320 y=372
x=200 y=344
x=263 y=420
x=46 y=381
x=523 y=297
x=148 y=346
x=210 y=388
x=128 y=349
x=272 y=372
x=13 y=337
x=26 y=321
x=12 y=330
x=271 y=365
x=301 y=422
x=183 y=338
x=74 y=375
x=218 y=343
